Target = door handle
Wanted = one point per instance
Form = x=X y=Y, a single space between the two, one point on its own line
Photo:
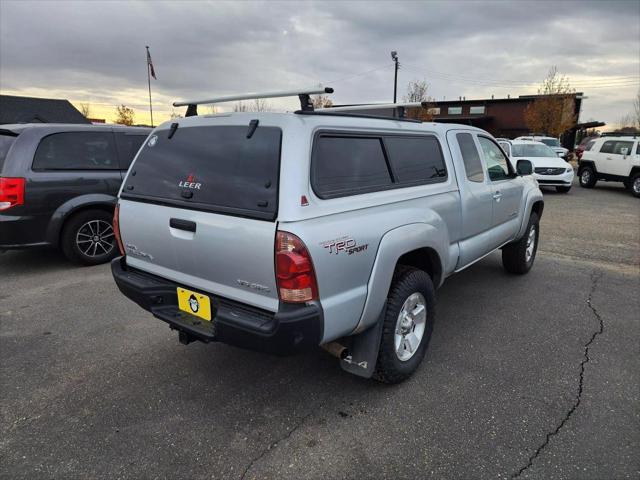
x=497 y=196
x=609 y=158
x=180 y=224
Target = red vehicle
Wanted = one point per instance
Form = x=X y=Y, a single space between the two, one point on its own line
x=585 y=144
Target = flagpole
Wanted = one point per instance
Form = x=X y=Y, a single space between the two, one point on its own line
x=149 y=82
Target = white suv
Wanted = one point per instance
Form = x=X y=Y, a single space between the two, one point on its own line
x=549 y=170
x=612 y=159
x=551 y=142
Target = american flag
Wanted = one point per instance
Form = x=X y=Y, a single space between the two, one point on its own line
x=150 y=65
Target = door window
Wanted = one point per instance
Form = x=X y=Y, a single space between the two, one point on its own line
x=76 y=151
x=470 y=157
x=607 y=147
x=623 y=148
x=497 y=164
x=128 y=146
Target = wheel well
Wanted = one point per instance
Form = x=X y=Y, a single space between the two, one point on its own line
x=634 y=171
x=426 y=259
x=586 y=163
x=538 y=207
x=96 y=206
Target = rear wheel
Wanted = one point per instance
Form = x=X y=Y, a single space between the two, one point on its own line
x=563 y=189
x=408 y=323
x=88 y=238
x=635 y=185
x=518 y=257
x=587 y=177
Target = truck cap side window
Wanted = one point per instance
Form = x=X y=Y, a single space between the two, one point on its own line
x=346 y=164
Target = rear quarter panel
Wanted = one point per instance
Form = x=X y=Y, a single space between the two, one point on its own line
x=344 y=234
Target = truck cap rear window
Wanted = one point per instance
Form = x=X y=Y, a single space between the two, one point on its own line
x=211 y=168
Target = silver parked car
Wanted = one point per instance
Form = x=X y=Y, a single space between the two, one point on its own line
x=284 y=231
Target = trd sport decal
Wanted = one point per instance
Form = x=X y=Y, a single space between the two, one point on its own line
x=344 y=244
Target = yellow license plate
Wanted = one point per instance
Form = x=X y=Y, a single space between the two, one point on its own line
x=194 y=303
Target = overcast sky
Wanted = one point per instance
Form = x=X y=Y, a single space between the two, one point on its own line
x=94 y=51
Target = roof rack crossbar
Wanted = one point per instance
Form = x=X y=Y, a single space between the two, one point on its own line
x=376 y=106
x=354 y=115
x=303 y=94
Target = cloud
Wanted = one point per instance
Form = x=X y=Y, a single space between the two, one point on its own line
x=94 y=51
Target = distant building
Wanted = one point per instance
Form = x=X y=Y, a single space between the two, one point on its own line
x=501 y=117
x=38 y=110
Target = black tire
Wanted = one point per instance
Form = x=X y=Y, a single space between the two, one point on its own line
x=588 y=177
x=406 y=282
x=563 y=189
x=514 y=255
x=635 y=185
x=77 y=239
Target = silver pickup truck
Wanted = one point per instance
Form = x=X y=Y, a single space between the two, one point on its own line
x=279 y=232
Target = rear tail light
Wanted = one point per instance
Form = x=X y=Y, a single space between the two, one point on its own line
x=295 y=275
x=11 y=192
x=116 y=228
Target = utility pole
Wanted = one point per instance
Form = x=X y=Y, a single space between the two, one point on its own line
x=394 y=57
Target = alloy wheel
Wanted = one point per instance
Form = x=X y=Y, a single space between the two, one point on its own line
x=410 y=326
x=531 y=244
x=95 y=238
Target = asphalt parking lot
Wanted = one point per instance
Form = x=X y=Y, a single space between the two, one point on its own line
x=526 y=377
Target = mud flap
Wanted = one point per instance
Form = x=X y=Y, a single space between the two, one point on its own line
x=363 y=352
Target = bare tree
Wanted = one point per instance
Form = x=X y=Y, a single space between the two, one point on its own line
x=85 y=110
x=124 y=115
x=553 y=112
x=257 y=105
x=240 y=107
x=417 y=92
x=321 y=101
x=174 y=115
x=260 y=105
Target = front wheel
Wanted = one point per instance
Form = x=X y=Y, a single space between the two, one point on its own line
x=518 y=257
x=408 y=323
x=587 y=177
x=563 y=189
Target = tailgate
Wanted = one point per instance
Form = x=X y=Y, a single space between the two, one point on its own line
x=229 y=256
x=198 y=207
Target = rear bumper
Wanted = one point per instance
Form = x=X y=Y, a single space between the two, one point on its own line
x=292 y=329
x=22 y=231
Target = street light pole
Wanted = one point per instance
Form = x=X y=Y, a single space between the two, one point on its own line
x=394 y=57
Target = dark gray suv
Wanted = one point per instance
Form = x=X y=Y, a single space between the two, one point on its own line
x=58 y=186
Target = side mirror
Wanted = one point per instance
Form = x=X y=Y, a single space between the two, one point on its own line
x=524 y=167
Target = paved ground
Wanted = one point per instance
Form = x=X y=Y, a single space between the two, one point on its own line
x=526 y=377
